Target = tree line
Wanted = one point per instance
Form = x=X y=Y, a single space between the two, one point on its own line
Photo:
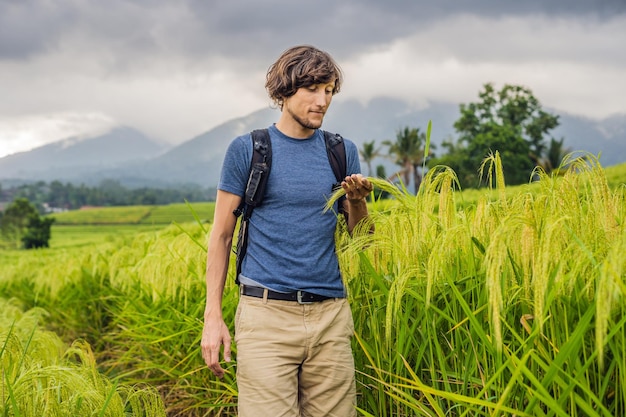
x=21 y=225
x=66 y=196
x=510 y=121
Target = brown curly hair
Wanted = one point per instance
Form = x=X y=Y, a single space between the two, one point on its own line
x=301 y=66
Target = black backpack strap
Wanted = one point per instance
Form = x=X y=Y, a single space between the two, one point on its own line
x=258 y=174
x=336 y=150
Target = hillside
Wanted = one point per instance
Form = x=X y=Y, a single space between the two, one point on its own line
x=80 y=157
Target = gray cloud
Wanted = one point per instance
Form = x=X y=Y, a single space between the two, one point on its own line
x=174 y=69
x=30 y=26
x=250 y=28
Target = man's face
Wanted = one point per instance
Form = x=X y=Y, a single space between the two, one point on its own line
x=309 y=104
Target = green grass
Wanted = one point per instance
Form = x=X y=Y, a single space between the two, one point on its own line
x=69 y=236
x=153 y=215
x=42 y=376
x=98 y=225
x=180 y=213
x=104 y=215
x=616 y=175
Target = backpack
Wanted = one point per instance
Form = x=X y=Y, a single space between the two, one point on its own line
x=259 y=172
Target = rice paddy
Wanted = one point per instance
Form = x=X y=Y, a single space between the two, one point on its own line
x=498 y=302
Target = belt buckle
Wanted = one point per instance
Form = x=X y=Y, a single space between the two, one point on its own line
x=299 y=298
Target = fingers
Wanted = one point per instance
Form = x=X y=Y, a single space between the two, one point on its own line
x=357 y=181
x=212 y=359
x=211 y=351
x=356 y=186
x=367 y=185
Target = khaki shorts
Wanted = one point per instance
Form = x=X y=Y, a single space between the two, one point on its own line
x=294 y=360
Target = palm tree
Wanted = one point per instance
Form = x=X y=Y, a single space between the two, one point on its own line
x=553 y=157
x=408 y=152
x=368 y=152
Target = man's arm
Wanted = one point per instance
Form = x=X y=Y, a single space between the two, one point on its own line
x=357 y=188
x=215 y=332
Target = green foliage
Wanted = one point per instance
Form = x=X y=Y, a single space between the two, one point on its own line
x=510 y=121
x=37 y=232
x=408 y=152
x=21 y=224
x=16 y=215
x=180 y=213
x=555 y=155
x=513 y=305
x=616 y=176
x=138 y=301
x=378 y=194
x=156 y=215
x=503 y=301
x=107 y=193
x=368 y=152
x=77 y=236
x=41 y=376
x=105 y=215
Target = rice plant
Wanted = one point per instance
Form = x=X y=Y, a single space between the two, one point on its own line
x=504 y=301
x=512 y=306
x=41 y=376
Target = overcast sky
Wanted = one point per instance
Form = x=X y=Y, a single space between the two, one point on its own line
x=175 y=69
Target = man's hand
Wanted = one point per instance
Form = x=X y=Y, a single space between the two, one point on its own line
x=214 y=335
x=356 y=186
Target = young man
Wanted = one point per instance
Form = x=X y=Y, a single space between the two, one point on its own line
x=293 y=358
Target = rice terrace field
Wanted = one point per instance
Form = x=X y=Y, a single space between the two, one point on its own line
x=499 y=302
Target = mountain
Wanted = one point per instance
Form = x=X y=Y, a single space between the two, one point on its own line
x=199 y=159
x=606 y=137
x=80 y=157
x=129 y=157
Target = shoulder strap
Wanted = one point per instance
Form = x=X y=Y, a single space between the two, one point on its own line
x=258 y=174
x=336 y=150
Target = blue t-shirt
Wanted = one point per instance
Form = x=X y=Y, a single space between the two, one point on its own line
x=291 y=241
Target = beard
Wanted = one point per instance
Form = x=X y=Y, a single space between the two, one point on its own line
x=305 y=123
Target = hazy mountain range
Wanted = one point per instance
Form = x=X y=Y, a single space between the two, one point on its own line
x=134 y=159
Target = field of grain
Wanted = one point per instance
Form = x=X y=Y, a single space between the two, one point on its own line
x=497 y=302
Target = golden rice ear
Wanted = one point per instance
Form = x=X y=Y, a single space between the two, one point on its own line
x=495 y=173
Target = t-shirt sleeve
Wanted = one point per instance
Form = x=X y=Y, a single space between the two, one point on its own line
x=236 y=165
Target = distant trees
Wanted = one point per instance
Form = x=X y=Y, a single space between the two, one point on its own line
x=21 y=225
x=108 y=193
x=510 y=121
x=554 y=156
x=37 y=233
x=407 y=151
x=368 y=153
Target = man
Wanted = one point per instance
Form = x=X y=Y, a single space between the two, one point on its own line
x=293 y=359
